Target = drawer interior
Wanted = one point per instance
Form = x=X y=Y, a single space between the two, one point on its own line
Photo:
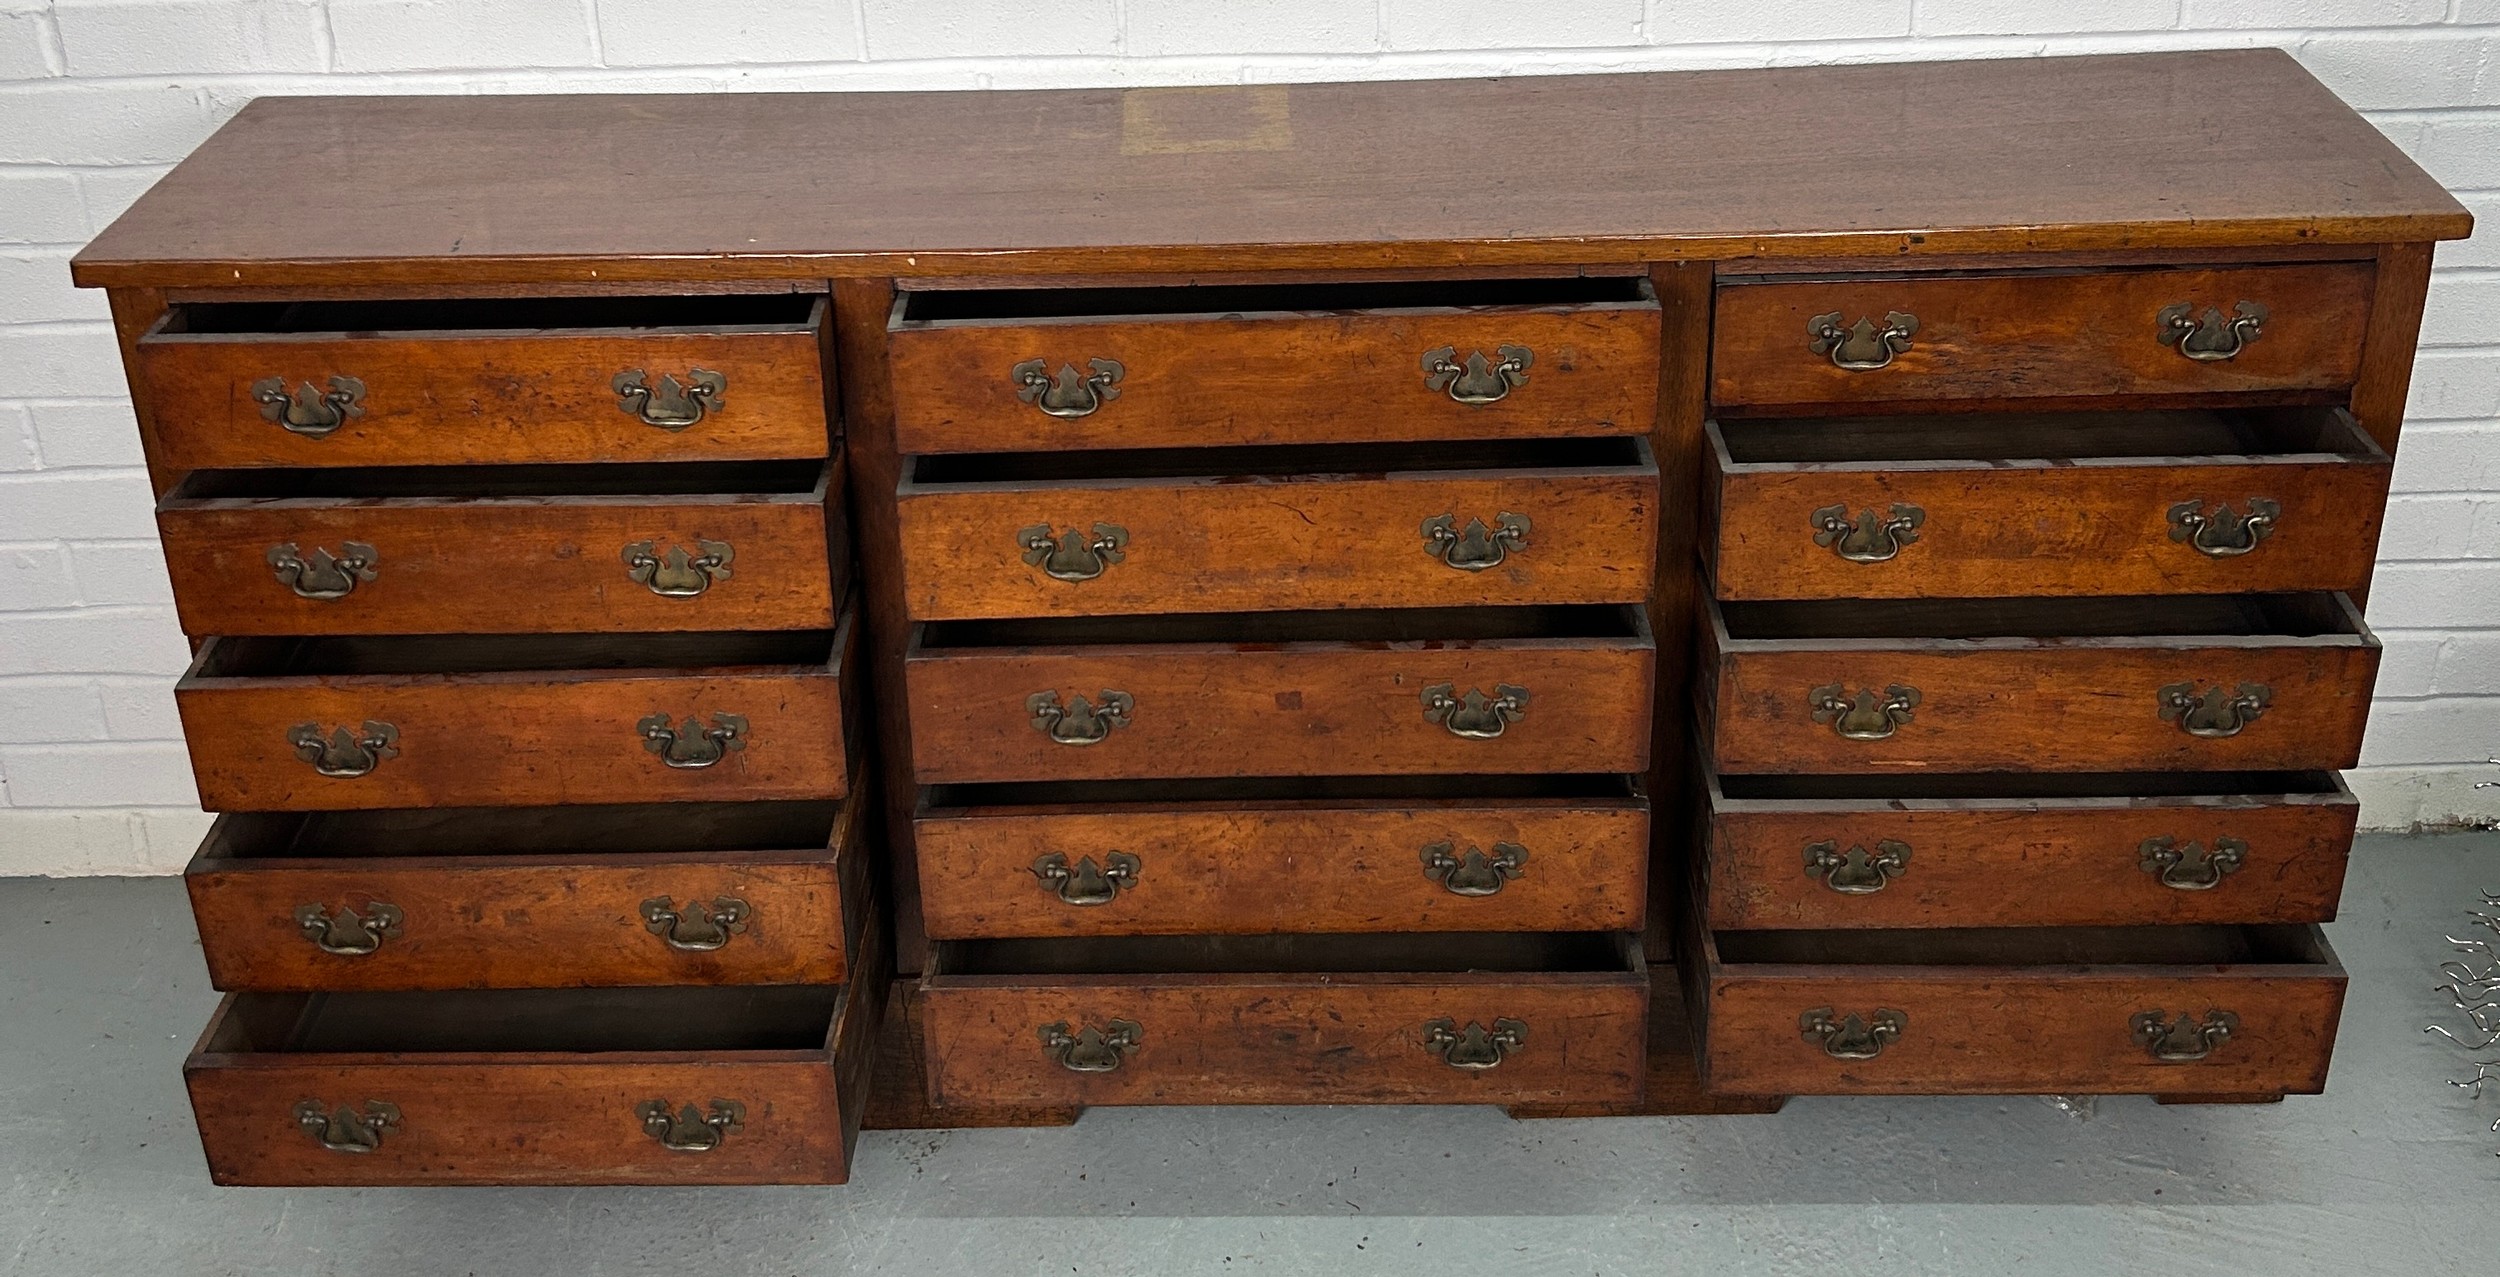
x=469 y=831
x=2010 y=786
x=228 y=657
x=2178 y=435
x=1447 y=953
x=1307 y=462
x=779 y=312
x=1477 y=790
x=775 y=1018
x=474 y=482
x=2186 y=946
x=2281 y=616
x=936 y=306
x=1354 y=625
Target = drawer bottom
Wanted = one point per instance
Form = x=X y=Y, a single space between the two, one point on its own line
x=1538 y=1018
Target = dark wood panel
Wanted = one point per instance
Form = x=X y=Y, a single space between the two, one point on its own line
x=2076 y=153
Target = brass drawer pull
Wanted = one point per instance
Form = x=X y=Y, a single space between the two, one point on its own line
x=347 y=1129
x=1475 y=547
x=1474 y=1048
x=1864 y=714
x=677 y=574
x=1869 y=538
x=1073 y=555
x=2211 y=337
x=1861 y=347
x=1854 y=872
x=1475 y=716
x=1071 y=394
x=1851 y=1037
x=1477 y=381
x=345 y=753
x=2190 y=867
x=691 y=744
x=348 y=933
x=2185 y=1038
x=1474 y=873
x=2221 y=532
x=2216 y=712
x=1079 y=721
x=1086 y=884
x=688 y=1129
x=310 y=411
x=321 y=574
x=1088 y=1049
x=673 y=405
x=699 y=927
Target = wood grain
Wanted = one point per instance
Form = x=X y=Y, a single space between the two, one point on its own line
x=1999 y=526
x=537 y=1116
x=2040 y=704
x=1216 y=709
x=1277 y=378
x=520 y=918
x=2058 y=1029
x=509 y=564
x=1228 y=543
x=2039 y=334
x=2074 y=154
x=1285 y=866
x=454 y=398
x=558 y=736
x=1287 y=1038
x=2027 y=862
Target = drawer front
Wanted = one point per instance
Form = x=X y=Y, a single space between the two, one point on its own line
x=2044 y=708
x=1321 y=709
x=499 y=567
x=530 y=921
x=2032 y=1034
x=1351 y=1039
x=2045 y=863
x=1280 y=378
x=537 y=1118
x=1275 y=869
x=447 y=399
x=1218 y=545
x=2042 y=528
x=2028 y=336
x=519 y=739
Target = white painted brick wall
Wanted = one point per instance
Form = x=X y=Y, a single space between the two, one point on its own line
x=98 y=97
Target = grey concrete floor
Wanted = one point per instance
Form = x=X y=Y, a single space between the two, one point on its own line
x=102 y=991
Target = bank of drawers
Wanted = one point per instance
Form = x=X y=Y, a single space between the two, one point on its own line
x=526 y=678
x=1278 y=683
x=2022 y=700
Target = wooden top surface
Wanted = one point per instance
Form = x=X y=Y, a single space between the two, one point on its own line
x=2160 y=150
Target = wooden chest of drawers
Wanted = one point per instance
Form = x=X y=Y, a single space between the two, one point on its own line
x=1186 y=612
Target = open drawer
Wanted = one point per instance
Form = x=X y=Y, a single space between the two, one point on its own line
x=538 y=1086
x=2026 y=850
x=1443 y=1019
x=1459 y=690
x=2277 y=682
x=2201 y=1010
x=504 y=549
x=1021 y=369
x=533 y=897
x=2208 y=501
x=291 y=724
x=485 y=381
x=1253 y=529
x=1255 y=857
